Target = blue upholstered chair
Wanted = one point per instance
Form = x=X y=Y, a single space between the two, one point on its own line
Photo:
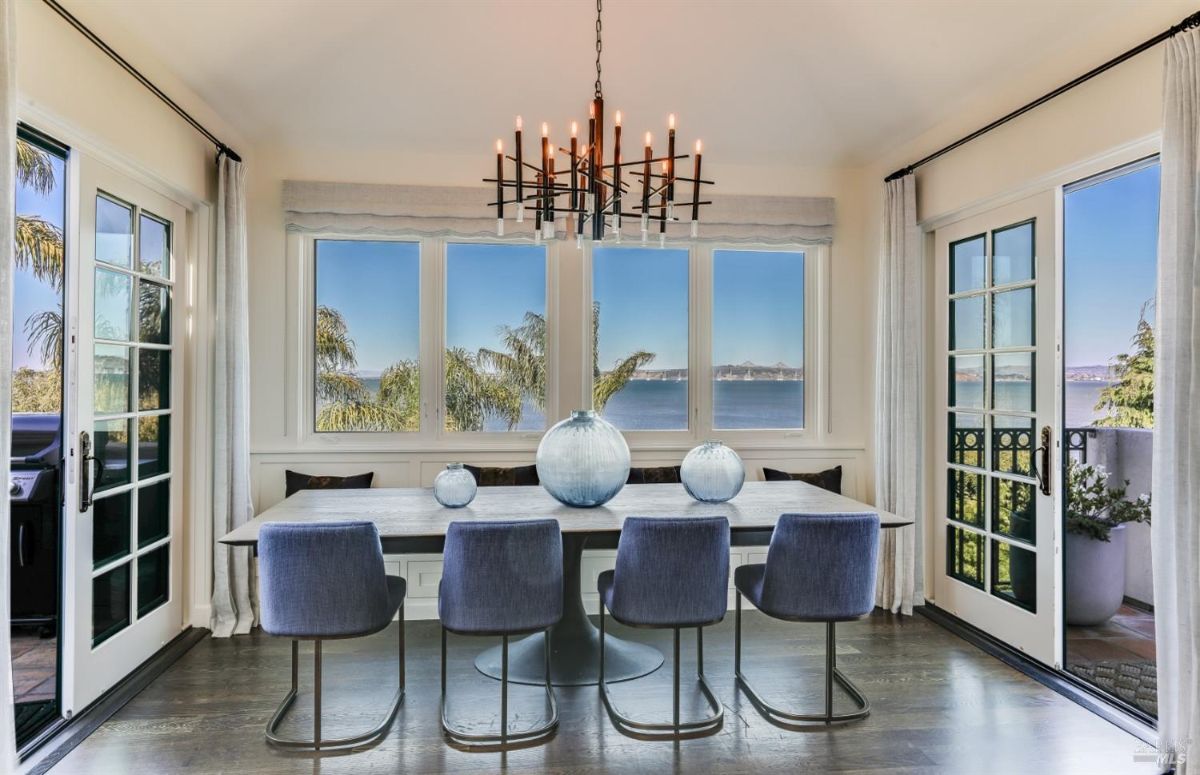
x=501 y=578
x=820 y=568
x=670 y=573
x=321 y=582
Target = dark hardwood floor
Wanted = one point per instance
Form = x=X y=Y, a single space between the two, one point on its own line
x=939 y=706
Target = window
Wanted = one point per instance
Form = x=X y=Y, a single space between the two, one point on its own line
x=640 y=331
x=758 y=339
x=495 y=359
x=404 y=328
x=367 y=335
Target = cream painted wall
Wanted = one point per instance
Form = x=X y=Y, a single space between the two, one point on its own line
x=62 y=76
x=1121 y=109
x=72 y=91
x=276 y=442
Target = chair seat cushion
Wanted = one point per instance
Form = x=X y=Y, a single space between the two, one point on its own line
x=829 y=479
x=654 y=475
x=749 y=581
x=491 y=476
x=294 y=482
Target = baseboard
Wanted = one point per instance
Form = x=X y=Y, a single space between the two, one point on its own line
x=48 y=750
x=1128 y=718
x=1138 y=605
x=202 y=615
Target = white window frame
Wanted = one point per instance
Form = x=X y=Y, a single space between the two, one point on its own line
x=568 y=282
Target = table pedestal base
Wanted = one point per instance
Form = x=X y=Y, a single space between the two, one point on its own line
x=574 y=642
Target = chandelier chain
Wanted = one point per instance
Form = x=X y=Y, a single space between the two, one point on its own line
x=599 y=47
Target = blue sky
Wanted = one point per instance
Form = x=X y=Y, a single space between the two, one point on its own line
x=376 y=287
x=643 y=297
x=1111 y=246
x=758 y=310
x=488 y=286
x=31 y=295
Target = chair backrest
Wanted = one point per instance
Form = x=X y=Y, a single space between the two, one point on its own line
x=672 y=570
x=323 y=580
x=502 y=576
x=822 y=566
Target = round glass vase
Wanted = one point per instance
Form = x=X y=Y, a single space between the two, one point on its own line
x=712 y=473
x=583 y=461
x=454 y=487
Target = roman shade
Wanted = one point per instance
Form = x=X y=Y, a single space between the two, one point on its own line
x=461 y=211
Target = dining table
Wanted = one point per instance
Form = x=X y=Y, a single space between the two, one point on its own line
x=411 y=521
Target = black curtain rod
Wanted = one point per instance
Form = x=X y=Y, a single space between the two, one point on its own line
x=222 y=148
x=1186 y=24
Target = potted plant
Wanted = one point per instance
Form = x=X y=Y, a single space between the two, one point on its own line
x=1095 y=542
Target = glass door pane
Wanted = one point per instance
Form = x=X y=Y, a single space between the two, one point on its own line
x=995 y=532
x=1110 y=249
x=39 y=279
x=124 y=600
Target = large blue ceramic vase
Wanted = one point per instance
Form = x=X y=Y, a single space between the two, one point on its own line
x=583 y=460
x=712 y=472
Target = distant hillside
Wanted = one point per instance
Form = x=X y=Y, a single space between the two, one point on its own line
x=1089 y=373
x=729 y=371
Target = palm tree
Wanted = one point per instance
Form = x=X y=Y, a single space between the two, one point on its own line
x=474 y=392
x=607 y=384
x=38 y=246
x=346 y=404
x=524 y=363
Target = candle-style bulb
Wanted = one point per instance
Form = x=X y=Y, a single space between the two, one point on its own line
x=499 y=146
x=618 y=118
x=698 y=146
x=647 y=139
x=545 y=129
x=574 y=129
x=591 y=110
x=671 y=121
x=520 y=124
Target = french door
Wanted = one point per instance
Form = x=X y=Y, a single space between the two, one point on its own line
x=124 y=515
x=995 y=524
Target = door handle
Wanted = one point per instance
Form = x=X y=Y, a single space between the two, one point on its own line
x=21 y=545
x=85 y=471
x=1041 y=467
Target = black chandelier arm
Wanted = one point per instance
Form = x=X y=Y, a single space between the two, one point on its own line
x=677 y=179
x=641 y=162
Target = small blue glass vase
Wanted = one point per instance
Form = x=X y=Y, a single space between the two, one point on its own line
x=583 y=461
x=712 y=473
x=455 y=487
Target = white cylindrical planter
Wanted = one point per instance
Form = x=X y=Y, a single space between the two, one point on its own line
x=1095 y=576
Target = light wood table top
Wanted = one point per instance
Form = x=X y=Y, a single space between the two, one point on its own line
x=404 y=516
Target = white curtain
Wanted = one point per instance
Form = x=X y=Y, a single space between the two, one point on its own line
x=234 y=608
x=8 y=149
x=899 y=420
x=1175 y=533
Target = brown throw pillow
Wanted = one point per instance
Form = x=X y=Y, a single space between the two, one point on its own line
x=829 y=479
x=654 y=475
x=519 y=476
x=297 y=482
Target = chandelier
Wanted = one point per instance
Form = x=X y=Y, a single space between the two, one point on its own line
x=588 y=195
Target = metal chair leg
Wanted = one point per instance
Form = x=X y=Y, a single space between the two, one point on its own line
x=788 y=719
x=676 y=729
x=506 y=740
x=336 y=743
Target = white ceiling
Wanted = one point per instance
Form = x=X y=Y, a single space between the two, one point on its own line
x=806 y=83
